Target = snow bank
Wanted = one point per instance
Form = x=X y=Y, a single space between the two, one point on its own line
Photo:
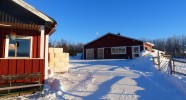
x=77 y=57
x=114 y=80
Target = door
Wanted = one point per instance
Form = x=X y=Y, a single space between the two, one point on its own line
x=89 y=53
x=135 y=51
x=100 y=53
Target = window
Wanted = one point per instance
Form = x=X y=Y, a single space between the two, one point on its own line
x=136 y=49
x=118 y=50
x=19 y=47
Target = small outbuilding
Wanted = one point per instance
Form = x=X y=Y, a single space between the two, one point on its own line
x=24 y=35
x=115 y=46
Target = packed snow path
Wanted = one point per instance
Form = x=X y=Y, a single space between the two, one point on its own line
x=119 y=80
x=112 y=80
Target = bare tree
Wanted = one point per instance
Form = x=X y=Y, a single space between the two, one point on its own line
x=175 y=45
x=68 y=46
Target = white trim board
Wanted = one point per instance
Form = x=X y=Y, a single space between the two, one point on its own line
x=6 y=46
x=46 y=56
x=42 y=41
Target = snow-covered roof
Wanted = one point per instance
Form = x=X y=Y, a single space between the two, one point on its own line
x=34 y=11
x=149 y=43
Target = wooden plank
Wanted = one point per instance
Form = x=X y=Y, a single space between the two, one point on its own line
x=28 y=67
x=20 y=76
x=18 y=87
x=170 y=66
x=3 y=67
x=180 y=73
x=12 y=66
x=34 y=50
x=173 y=67
x=2 y=45
x=20 y=67
x=38 y=46
x=182 y=61
x=42 y=65
x=35 y=66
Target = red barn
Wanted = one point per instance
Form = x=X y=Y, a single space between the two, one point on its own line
x=24 y=34
x=112 y=46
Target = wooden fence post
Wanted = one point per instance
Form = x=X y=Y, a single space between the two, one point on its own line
x=170 y=66
x=174 y=70
x=158 y=60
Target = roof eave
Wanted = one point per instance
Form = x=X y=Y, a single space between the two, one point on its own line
x=35 y=11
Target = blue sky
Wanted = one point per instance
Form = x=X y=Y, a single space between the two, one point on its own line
x=79 y=20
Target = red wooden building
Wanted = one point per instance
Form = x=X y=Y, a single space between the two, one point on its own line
x=112 y=46
x=24 y=34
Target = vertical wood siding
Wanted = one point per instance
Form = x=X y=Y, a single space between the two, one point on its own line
x=21 y=66
x=34 y=34
x=2 y=44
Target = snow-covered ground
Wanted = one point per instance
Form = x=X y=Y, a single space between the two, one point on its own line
x=135 y=79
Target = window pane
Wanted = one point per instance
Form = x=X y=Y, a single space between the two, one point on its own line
x=122 y=50
x=118 y=50
x=136 y=49
x=22 y=49
x=113 y=50
x=11 y=52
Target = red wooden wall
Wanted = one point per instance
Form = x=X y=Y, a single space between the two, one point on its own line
x=34 y=34
x=21 y=66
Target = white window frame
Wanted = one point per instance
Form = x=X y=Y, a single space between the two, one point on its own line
x=133 y=53
x=118 y=52
x=18 y=37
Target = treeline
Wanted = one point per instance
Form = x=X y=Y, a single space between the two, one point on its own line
x=68 y=46
x=174 y=46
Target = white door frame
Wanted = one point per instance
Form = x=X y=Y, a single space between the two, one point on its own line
x=133 y=53
x=103 y=52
